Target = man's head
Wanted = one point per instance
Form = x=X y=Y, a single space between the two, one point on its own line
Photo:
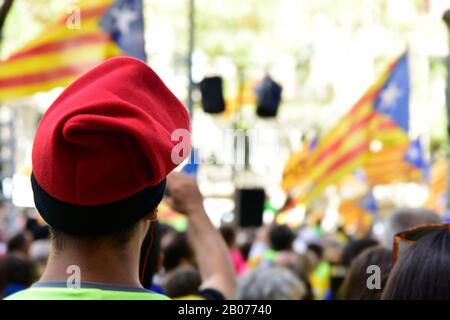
x=272 y=283
x=281 y=237
x=15 y=271
x=404 y=219
x=20 y=243
x=355 y=286
x=355 y=248
x=176 y=251
x=102 y=152
x=184 y=281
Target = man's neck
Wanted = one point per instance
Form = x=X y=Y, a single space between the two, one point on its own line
x=102 y=266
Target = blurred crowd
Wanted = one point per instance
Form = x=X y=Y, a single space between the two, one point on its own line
x=271 y=262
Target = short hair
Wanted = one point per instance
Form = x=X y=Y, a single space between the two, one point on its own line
x=317 y=249
x=273 y=283
x=177 y=250
x=117 y=239
x=281 y=237
x=38 y=231
x=354 y=286
x=19 y=242
x=422 y=271
x=15 y=270
x=183 y=282
x=355 y=248
x=406 y=218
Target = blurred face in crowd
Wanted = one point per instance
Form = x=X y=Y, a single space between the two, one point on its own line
x=176 y=251
x=20 y=244
x=272 y=283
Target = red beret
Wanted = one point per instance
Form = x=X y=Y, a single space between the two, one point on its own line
x=103 y=149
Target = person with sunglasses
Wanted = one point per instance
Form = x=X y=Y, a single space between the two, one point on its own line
x=421 y=259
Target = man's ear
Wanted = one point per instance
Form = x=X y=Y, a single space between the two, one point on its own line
x=152 y=215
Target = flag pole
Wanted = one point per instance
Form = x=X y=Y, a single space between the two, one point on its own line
x=446 y=18
x=191 y=45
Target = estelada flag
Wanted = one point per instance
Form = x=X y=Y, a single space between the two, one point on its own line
x=294 y=170
x=355 y=214
x=382 y=114
x=398 y=163
x=90 y=32
x=438 y=184
x=397 y=158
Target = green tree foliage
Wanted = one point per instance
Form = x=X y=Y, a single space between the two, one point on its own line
x=26 y=20
x=235 y=28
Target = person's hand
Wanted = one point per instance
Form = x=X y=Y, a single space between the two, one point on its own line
x=210 y=250
x=184 y=194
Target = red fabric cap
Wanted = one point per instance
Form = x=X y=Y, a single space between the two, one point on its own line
x=108 y=135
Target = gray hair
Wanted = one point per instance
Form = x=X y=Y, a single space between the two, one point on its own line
x=404 y=219
x=273 y=283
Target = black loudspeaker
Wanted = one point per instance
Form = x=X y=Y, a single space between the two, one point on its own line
x=212 y=95
x=268 y=95
x=249 y=207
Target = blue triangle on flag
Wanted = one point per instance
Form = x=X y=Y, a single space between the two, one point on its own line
x=124 y=21
x=393 y=98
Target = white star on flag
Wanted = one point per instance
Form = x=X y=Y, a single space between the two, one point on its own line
x=124 y=18
x=389 y=96
x=413 y=154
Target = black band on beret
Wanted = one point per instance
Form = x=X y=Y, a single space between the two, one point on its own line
x=97 y=219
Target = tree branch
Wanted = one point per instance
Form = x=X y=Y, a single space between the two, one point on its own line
x=4 y=10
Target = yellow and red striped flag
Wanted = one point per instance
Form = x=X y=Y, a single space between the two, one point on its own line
x=438 y=184
x=62 y=52
x=387 y=166
x=355 y=216
x=347 y=146
x=294 y=170
x=339 y=152
x=398 y=162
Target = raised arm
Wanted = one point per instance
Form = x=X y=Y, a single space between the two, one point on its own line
x=210 y=249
